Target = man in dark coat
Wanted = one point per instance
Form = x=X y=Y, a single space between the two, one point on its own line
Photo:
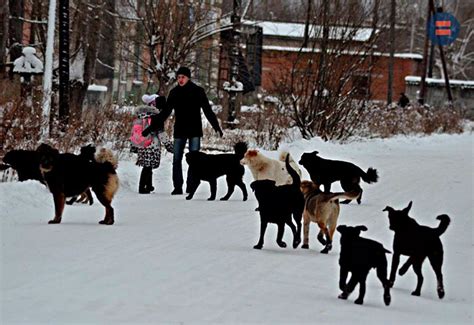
x=186 y=99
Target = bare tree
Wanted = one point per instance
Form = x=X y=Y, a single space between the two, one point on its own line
x=328 y=83
x=165 y=34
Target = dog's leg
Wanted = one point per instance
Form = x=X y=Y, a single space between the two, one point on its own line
x=349 y=287
x=436 y=261
x=230 y=189
x=263 y=228
x=59 y=201
x=192 y=187
x=213 y=185
x=109 y=211
x=395 y=262
x=242 y=186
x=327 y=187
x=417 y=268
x=306 y=221
x=71 y=200
x=281 y=231
x=343 y=272
x=297 y=216
x=405 y=266
x=89 y=196
x=296 y=238
x=362 y=280
x=382 y=275
x=322 y=232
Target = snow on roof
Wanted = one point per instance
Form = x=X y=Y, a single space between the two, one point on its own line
x=316 y=50
x=28 y=62
x=271 y=28
x=95 y=87
x=434 y=81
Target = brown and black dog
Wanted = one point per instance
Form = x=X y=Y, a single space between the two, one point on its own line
x=70 y=175
x=323 y=209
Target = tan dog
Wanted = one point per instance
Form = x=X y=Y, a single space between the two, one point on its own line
x=323 y=209
x=263 y=167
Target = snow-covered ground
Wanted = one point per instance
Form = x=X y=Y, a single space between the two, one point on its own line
x=168 y=260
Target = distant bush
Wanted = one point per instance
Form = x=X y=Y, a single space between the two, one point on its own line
x=386 y=121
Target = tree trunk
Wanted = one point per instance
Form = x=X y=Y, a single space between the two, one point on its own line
x=4 y=14
x=90 y=45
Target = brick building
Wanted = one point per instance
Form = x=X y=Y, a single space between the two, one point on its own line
x=282 y=46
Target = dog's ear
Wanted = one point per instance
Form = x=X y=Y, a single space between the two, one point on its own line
x=252 y=185
x=389 y=209
x=407 y=209
x=361 y=228
x=341 y=228
x=315 y=152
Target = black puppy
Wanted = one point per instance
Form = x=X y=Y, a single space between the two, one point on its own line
x=277 y=204
x=26 y=164
x=205 y=167
x=324 y=172
x=69 y=175
x=418 y=242
x=359 y=255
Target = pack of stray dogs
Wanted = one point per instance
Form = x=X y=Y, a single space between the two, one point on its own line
x=283 y=198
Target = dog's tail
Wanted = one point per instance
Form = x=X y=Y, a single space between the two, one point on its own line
x=106 y=155
x=370 y=176
x=293 y=173
x=343 y=195
x=443 y=225
x=240 y=148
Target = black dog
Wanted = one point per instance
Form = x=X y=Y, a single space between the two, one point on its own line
x=358 y=256
x=69 y=175
x=26 y=164
x=277 y=204
x=205 y=167
x=324 y=172
x=418 y=242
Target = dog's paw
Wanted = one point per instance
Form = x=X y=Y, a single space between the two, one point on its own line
x=440 y=292
x=343 y=295
x=211 y=198
x=416 y=293
x=402 y=271
x=359 y=301
x=54 y=221
x=305 y=246
x=296 y=243
x=258 y=246
x=245 y=198
x=282 y=244
x=189 y=197
x=106 y=222
x=224 y=198
x=386 y=299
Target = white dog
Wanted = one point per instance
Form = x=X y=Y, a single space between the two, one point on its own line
x=266 y=168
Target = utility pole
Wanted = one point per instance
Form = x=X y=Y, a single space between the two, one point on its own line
x=48 y=71
x=421 y=98
x=64 y=62
x=392 y=52
x=232 y=88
